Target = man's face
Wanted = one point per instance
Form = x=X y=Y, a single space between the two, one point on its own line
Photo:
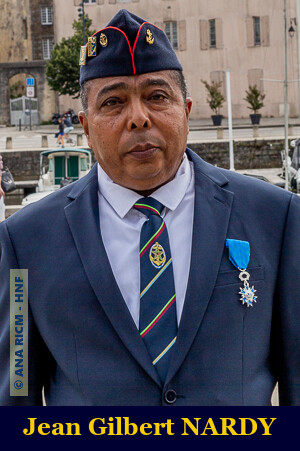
x=137 y=127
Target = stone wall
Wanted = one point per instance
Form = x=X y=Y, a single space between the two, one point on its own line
x=252 y=154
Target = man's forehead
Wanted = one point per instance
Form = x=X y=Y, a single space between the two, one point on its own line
x=162 y=78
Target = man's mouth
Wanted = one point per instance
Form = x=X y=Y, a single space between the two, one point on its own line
x=142 y=151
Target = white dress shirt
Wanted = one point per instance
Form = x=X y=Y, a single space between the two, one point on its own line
x=120 y=226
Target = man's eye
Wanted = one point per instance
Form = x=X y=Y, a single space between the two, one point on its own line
x=158 y=97
x=111 y=102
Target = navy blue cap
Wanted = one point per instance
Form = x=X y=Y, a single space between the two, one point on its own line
x=128 y=45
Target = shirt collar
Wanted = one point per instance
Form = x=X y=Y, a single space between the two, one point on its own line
x=122 y=199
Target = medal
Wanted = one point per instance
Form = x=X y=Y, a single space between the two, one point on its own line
x=92 y=46
x=239 y=255
x=82 y=59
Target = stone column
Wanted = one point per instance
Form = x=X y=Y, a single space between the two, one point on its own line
x=9 y=142
x=79 y=140
x=44 y=141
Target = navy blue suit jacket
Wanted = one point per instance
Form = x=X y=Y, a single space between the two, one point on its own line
x=84 y=347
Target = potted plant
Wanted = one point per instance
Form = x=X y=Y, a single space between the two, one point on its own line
x=215 y=99
x=255 y=98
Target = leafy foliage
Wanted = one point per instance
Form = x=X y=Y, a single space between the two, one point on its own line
x=215 y=98
x=16 y=90
x=255 y=98
x=62 y=70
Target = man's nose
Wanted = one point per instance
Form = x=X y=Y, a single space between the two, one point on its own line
x=138 y=117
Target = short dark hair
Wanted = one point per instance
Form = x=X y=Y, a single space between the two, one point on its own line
x=177 y=76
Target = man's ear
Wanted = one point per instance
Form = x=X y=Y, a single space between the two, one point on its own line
x=188 y=106
x=84 y=122
x=85 y=125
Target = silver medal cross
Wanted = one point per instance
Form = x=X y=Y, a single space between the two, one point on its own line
x=246 y=292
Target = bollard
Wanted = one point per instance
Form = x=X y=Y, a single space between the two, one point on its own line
x=79 y=140
x=20 y=125
x=255 y=131
x=44 y=141
x=9 y=142
x=220 y=133
x=291 y=130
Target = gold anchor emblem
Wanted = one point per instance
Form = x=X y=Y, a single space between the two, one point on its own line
x=149 y=37
x=157 y=255
x=103 y=40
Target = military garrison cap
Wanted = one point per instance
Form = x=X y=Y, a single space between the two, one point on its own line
x=128 y=45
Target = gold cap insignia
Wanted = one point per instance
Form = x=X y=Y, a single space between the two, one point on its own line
x=92 y=46
x=157 y=255
x=149 y=37
x=82 y=58
x=103 y=40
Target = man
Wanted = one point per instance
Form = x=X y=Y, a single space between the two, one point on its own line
x=68 y=127
x=61 y=132
x=98 y=334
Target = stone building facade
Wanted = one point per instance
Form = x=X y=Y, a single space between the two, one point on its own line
x=245 y=36
x=27 y=37
x=42 y=28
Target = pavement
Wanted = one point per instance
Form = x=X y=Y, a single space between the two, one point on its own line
x=200 y=131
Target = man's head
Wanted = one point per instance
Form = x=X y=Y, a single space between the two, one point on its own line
x=135 y=111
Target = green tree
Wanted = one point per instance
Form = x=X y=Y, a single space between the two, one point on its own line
x=255 y=98
x=215 y=98
x=62 y=70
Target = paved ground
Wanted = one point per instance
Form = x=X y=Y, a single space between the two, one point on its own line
x=200 y=130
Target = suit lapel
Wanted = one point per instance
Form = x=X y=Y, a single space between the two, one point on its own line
x=211 y=216
x=83 y=219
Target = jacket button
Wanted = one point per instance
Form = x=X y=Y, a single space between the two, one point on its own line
x=170 y=396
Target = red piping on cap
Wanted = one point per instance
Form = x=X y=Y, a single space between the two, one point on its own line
x=136 y=39
x=131 y=53
x=135 y=42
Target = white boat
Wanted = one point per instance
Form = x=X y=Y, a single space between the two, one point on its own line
x=59 y=167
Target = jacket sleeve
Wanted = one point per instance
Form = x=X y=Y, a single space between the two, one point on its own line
x=37 y=351
x=286 y=324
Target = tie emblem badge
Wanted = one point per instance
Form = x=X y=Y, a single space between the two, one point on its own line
x=149 y=37
x=157 y=255
x=103 y=40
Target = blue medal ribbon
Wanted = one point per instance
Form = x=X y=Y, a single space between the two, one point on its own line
x=239 y=253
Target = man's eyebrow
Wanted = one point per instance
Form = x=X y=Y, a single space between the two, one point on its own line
x=156 y=82
x=121 y=85
x=107 y=89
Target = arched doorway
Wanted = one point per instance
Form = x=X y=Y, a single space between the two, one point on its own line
x=47 y=99
x=23 y=100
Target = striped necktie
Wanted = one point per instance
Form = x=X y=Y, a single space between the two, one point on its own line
x=158 y=323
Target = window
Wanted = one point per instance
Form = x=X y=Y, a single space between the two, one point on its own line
x=89 y=1
x=47 y=48
x=212 y=33
x=25 y=33
x=256 y=25
x=46 y=15
x=172 y=33
x=258 y=31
